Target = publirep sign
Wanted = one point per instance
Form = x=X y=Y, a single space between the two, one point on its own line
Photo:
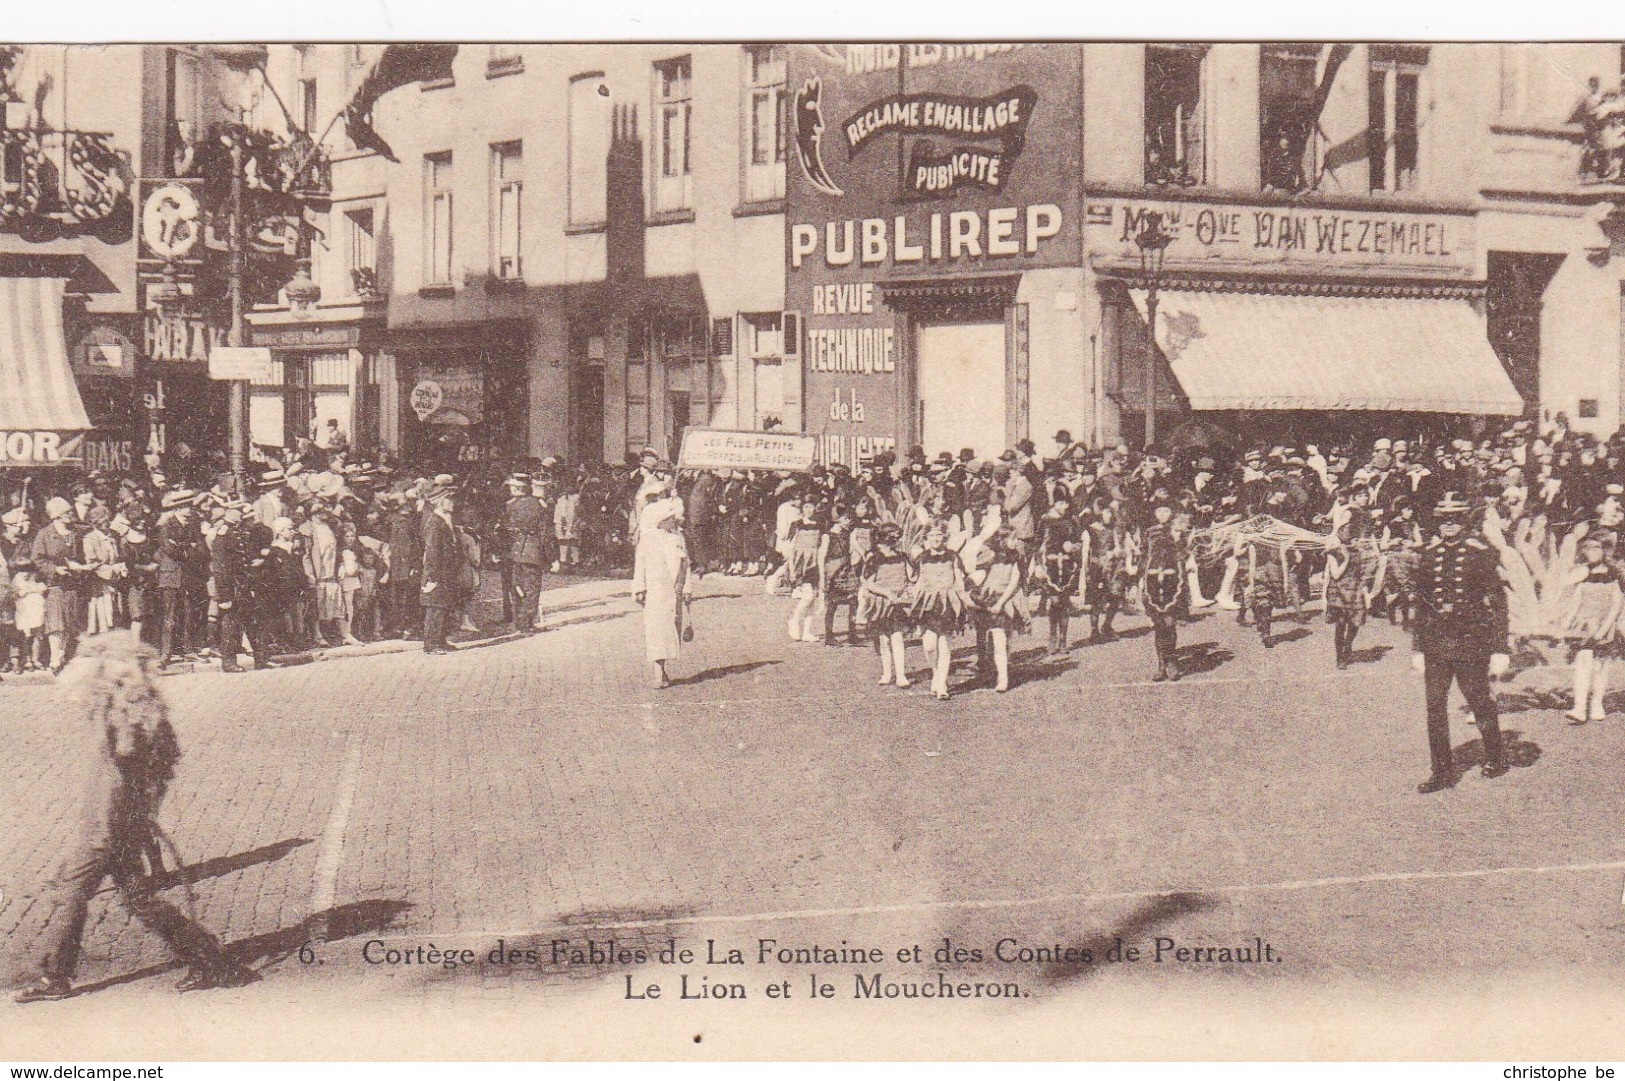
x=710 y=448
x=914 y=162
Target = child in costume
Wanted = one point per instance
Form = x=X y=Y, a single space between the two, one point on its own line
x=887 y=574
x=1000 y=607
x=838 y=578
x=1163 y=587
x=1594 y=621
x=1348 y=568
x=802 y=571
x=938 y=604
x=1060 y=563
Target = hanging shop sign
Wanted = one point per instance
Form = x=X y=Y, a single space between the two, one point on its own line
x=1205 y=233
x=238 y=362
x=171 y=220
x=104 y=351
x=712 y=448
x=454 y=396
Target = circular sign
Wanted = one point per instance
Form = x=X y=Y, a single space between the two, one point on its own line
x=426 y=398
x=170 y=221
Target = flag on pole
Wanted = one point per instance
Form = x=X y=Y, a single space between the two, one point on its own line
x=395 y=67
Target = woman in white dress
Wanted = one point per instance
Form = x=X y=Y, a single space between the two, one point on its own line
x=660 y=579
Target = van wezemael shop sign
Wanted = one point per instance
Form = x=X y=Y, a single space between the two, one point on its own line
x=1237 y=234
x=915 y=161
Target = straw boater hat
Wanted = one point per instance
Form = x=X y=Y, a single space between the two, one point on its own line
x=176 y=498
x=518 y=480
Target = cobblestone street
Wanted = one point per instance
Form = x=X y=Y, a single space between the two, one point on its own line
x=537 y=789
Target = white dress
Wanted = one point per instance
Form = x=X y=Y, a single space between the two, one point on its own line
x=660 y=573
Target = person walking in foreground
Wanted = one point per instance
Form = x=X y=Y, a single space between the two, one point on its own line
x=1461 y=624
x=128 y=751
x=661 y=581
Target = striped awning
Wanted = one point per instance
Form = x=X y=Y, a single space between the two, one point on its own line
x=1269 y=351
x=41 y=414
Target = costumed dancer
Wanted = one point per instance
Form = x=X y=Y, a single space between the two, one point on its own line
x=1108 y=585
x=1000 y=609
x=1060 y=562
x=1401 y=548
x=1594 y=620
x=802 y=571
x=887 y=574
x=1266 y=584
x=838 y=577
x=127 y=756
x=938 y=604
x=1347 y=567
x=1164 y=588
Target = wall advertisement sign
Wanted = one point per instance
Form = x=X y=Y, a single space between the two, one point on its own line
x=916 y=161
x=714 y=448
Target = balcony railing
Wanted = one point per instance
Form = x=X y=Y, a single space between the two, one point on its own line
x=71 y=177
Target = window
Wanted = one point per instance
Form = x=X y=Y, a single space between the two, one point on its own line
x=1287 y=99
x=1174 y=132
x=362 y=241
x=674 y=88
x=437 y=219
x=764 y=337
x=766 y=122
x=507 y=188
x=588 y=149
x=307 y=106
x=504 y=59
x=185 y=111
x=1394 y=93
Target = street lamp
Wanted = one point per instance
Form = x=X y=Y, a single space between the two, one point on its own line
x=1152 y=240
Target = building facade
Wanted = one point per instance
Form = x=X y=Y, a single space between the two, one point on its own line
x=582 y=250
x=1349 y=231
x=579 y=250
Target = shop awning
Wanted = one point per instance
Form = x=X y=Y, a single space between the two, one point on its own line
x=41 y=415
x=1266 y=351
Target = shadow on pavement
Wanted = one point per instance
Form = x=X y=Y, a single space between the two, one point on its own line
x=722 y=672
x=225 y=865
x=1150 y=915
x=344 y=921
x=1202 y=657
x=1369 y=655
x=1519 y=752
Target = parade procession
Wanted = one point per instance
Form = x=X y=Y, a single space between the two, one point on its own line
x=869 y=479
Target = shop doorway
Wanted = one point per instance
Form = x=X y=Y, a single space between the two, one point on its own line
x=959 y=381
x=587 y=414
x=677 y=420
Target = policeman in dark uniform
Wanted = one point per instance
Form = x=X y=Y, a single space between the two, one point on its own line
x=1461 y=623
x=522 y=528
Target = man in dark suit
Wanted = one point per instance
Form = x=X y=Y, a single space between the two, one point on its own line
x=182 y=555
x=1461 y=624
x=236 y=547
x=522 y=522
x=441 y=592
